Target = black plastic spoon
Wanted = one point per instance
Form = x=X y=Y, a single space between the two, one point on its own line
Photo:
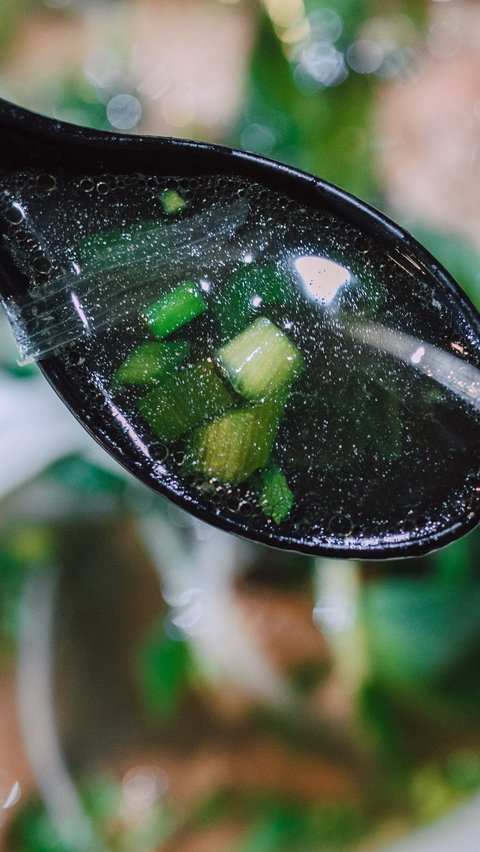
x=265 y=350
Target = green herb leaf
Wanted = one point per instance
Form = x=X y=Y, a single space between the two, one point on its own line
x=276 y=498
x=248 y=291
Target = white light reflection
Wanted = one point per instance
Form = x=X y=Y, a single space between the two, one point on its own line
x=454 y=374
x=121 y=419
x=142 y=786
x=322 y=278
x=325 y=25
x=20 y=210
x=334 y=614
x=128 y=428
x=222 y=641
x=418 y=355
x=79 y=310
x=9 y=793
x=188 y=610
x=323 y=63
x=364 y=56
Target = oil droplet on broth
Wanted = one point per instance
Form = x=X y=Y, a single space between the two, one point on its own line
x=262 y=361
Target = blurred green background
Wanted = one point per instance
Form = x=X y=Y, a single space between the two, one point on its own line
x=165 y=686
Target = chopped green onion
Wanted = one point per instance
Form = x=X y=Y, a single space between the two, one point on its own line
x=151 y=361
x=175 y=309
x=172 y=202
x=260 y=361
x=133 y=243
x=234 y=446
x=185 y=400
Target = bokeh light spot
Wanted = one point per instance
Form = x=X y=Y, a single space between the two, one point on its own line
x=124 y=111
x=364 y=56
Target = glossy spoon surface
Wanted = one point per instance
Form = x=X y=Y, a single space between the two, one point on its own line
x=263 y=349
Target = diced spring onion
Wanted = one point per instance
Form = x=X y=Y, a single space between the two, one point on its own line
x=260 y=361
x=185 y=400
x=135 y=242
x=172 y=202
x=234 y=446
x=151 y=361
x=175 y=309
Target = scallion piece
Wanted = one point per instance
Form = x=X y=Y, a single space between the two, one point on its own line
x=151 y=361
x=232 y=447
x=175 y=309
x=260 y=361
x=172 y=202
x=184 y=400
x=120 y=246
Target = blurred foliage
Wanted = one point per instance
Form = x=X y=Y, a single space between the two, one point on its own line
x=378 y=710
x=324 y=133
x=306 y=676
x=456 y=255
x=310 y=829
x=424 y=630
x=76 y=474
x=32 y=831
x=22 y=549
x=112 y=824
x=439 y=787
x=165 y=669
x=419 y=629
x=282 y=827
x=276 y=824
x=325 y=129
x=76 y=100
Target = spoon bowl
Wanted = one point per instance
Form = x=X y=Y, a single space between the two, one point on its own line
x=265 y=350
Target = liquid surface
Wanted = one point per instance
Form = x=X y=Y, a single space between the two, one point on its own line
x=269 y=366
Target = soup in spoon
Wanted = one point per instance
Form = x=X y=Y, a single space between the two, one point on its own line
x=270 y=365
